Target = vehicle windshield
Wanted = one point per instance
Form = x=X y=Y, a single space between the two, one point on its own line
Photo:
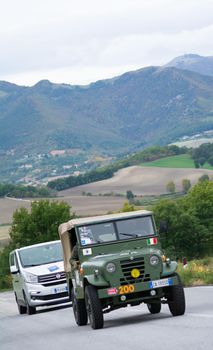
x=40 y=255
x=137 y=227
x=117 y=230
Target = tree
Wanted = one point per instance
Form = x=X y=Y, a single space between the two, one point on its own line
x=189 y=221
x=129 y=196
x=170 y=187
x=196 y=164
x=200 y=198
x=210 y=160
x=186 y=184
x=41 y=224
x=201 y=161
x=204 y=177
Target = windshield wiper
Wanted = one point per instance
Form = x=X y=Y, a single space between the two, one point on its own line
x=128 y=234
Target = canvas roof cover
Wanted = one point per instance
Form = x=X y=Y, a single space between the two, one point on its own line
x=65 y=228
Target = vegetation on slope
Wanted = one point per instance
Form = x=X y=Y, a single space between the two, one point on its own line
x=20 y=191
x=149 y=154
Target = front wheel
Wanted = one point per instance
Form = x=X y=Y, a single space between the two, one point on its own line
x=79 y=310
x=94 y=308
x=176 y=300
x=154 y=308
x=21 y=309
x=31 y=310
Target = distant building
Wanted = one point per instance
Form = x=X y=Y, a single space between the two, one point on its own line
x=57 y=152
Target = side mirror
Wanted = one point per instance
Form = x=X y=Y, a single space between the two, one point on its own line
x=163 y=227
x=14 y=269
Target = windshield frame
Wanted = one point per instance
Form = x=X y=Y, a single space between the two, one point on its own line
x=118 y=239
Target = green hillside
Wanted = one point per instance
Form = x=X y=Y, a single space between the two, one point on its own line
x=113 y=116
x=109 y=118
x=179 y=161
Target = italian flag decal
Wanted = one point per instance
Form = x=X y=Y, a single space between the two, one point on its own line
x=152 y=241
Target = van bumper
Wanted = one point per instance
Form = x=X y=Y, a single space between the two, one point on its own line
x=38 y=295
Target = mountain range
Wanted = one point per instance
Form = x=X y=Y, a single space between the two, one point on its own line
x=153 y=105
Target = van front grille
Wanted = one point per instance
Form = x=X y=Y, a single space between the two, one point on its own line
x=52 y=277
x=128 y=265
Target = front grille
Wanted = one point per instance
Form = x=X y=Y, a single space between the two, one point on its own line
x=57 y=276
x=54 y=283
x=128 y=265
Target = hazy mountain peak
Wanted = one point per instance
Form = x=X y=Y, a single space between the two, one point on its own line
x=193 y=62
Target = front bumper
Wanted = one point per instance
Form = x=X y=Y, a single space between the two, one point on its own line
x=141 y=290
x=39 y=295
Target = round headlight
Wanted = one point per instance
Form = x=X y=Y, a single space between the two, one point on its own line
x=110 y=267
x=154 y=260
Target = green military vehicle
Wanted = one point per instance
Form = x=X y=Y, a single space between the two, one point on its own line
x=117 y=261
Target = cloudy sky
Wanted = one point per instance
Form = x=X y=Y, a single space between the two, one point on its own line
x=80 y=41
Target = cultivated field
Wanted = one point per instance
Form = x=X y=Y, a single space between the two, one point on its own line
x=82 y=205
x=4 y=235
x=141 y=181
x=193 y=143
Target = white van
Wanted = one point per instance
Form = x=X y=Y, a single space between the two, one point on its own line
x=38 y=276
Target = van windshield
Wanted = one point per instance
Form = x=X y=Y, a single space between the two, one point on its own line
x=116 y=230
x=40 y=255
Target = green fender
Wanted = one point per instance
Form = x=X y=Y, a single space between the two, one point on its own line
x=98 y=281
x=169 y=269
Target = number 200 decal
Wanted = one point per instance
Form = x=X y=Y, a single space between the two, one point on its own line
x=129 y=288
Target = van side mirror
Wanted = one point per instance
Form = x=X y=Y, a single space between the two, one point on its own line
x=14 y=269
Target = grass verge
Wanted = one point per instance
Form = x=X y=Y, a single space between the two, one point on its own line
x=197 y=272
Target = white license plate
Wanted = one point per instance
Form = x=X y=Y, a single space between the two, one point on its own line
x=59 y=290
x=160 y=283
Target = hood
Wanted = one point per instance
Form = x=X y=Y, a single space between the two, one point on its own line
x=46 y=269
x=103 y=259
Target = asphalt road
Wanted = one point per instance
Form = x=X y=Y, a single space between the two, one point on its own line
x=125 y=329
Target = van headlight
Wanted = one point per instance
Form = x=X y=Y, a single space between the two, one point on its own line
x=110 y=267
x=30 y=278
x=154 y=260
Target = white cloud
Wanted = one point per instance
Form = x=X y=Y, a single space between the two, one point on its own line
x=80 y=41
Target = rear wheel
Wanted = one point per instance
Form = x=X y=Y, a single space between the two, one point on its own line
x=176 y=300
x=94 y=308
x=154 y=308
x=79 y=309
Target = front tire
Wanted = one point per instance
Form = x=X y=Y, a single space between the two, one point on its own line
x=79 y=310
x=21 y=309
x=31 y=310
x=94 y=308
x=176 y=300
x=154 y=308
